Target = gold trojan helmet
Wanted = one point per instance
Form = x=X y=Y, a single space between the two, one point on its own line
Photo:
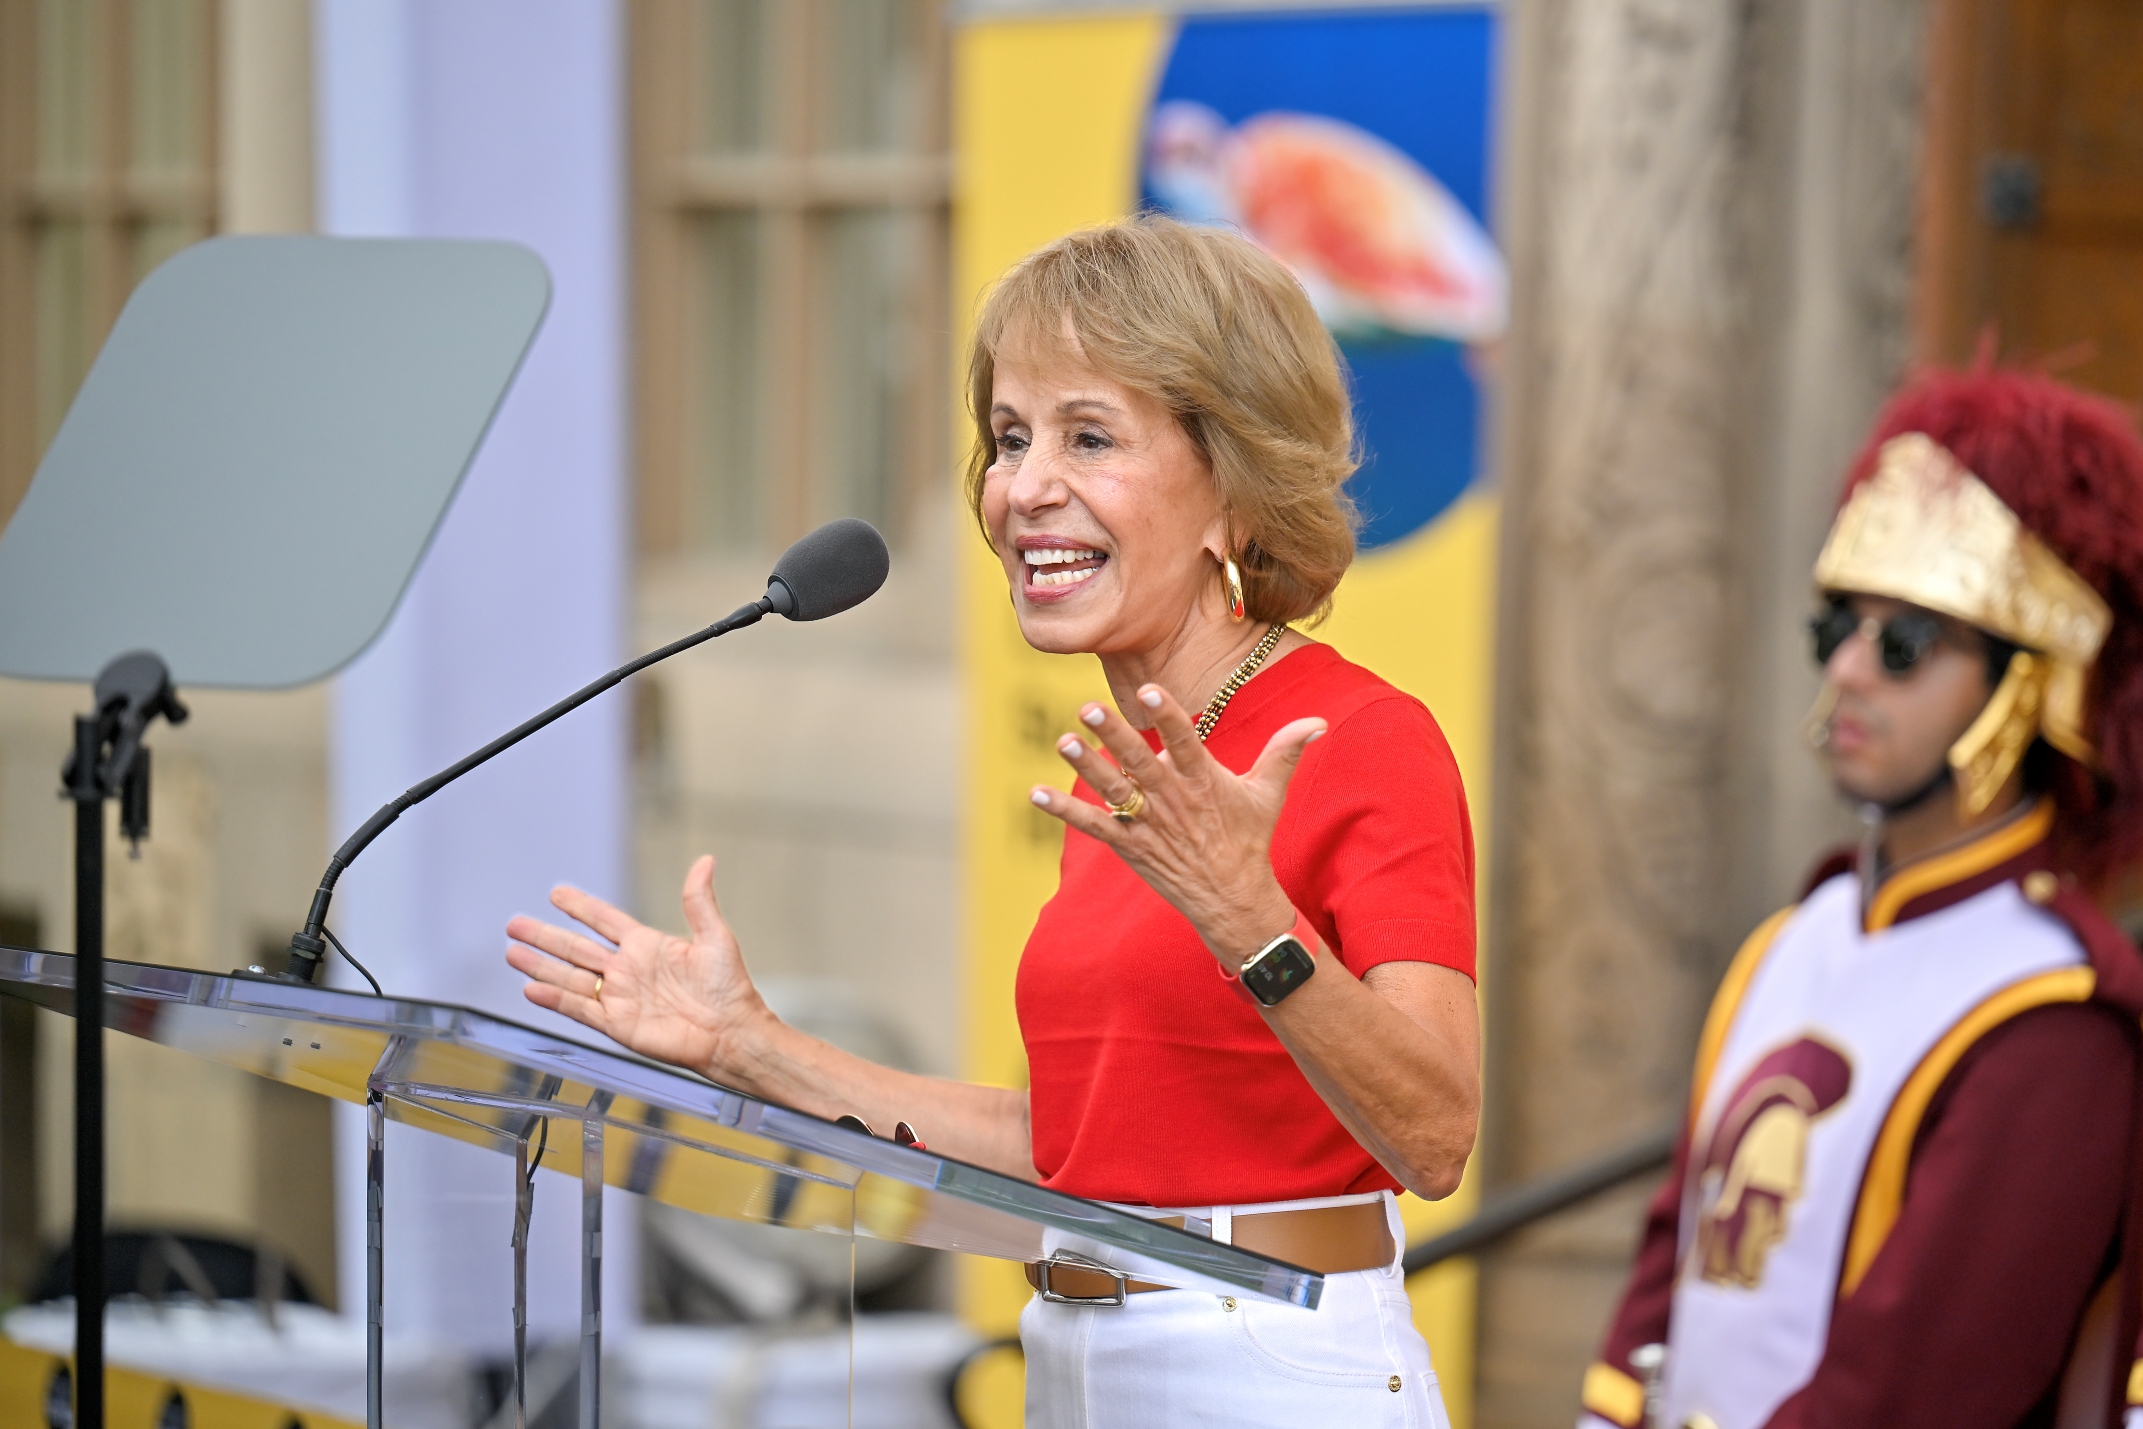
x=1926 y=531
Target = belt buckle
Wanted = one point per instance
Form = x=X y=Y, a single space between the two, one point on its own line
x=1080 y=1262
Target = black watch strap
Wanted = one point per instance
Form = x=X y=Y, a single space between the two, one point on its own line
x=1278 y=969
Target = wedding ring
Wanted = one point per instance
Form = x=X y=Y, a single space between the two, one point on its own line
x=597 y=995
x=1133 y=803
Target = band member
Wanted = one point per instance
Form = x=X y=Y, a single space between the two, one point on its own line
x=1907 y=1192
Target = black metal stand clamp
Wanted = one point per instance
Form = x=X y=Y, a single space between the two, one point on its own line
x=108 y=760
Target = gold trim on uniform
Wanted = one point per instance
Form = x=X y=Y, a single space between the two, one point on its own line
x=1613 y=1395
x=1913 y=880
x=1882 y=1190
x=1726 y=1002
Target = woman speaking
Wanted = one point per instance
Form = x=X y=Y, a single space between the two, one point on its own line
x=1250 y=1003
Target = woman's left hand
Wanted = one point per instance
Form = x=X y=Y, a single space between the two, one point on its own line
x=1203 y=838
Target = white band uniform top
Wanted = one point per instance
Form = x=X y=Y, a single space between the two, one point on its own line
x=1750 y=1319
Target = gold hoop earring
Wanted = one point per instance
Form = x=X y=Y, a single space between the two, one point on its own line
x=1234 y=579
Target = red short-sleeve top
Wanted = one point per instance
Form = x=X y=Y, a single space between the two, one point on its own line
x=1153 y=1080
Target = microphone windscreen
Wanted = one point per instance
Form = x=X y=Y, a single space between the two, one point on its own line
x=836 y=567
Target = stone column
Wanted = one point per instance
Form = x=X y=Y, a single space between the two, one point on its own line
x=1706 y=213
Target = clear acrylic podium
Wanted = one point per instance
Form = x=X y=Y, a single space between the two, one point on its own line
x=612 y=1119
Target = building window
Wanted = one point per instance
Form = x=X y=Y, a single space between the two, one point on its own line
x=107 y=167
x=792 y=184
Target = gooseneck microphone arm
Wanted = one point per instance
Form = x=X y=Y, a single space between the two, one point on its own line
x=836 y=567
x=308 y=947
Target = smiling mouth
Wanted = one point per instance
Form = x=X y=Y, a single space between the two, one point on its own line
x=1055 y=567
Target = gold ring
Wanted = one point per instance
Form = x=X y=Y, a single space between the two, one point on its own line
x=1130 y=808
x=597 y=995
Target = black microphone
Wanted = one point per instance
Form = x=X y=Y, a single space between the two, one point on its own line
x=835 y=568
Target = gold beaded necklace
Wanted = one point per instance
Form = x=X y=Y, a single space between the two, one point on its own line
x=1240 y=678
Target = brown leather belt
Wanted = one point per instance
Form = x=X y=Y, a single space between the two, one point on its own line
x=1329 y=1240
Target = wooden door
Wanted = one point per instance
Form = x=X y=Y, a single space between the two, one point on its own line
x=2032 y=206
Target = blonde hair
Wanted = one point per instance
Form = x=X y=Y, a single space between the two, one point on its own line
x=1216 y=329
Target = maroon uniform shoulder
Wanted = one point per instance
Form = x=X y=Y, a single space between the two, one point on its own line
x=1837 y=861
x=2114 y=959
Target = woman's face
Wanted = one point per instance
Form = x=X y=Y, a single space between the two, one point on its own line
x=1101 y=509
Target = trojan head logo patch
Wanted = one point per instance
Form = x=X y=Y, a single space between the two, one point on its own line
x=1752 y=1170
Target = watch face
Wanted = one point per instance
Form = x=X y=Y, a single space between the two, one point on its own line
x=1278 y=971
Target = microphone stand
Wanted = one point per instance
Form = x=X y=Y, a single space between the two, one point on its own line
x=108 y=759
x=308 y=946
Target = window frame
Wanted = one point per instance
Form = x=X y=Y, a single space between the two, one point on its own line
x=790 y=186
x=115 y=202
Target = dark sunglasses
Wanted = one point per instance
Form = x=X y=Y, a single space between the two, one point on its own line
x=1902 y=641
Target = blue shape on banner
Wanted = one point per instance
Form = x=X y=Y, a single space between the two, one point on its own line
x=1355 y=148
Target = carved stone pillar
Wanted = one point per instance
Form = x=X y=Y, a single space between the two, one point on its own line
x=1707 y=214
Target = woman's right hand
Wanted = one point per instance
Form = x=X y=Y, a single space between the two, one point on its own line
x=686 y=1001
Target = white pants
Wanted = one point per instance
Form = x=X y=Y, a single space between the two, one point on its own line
x=1183 y=1357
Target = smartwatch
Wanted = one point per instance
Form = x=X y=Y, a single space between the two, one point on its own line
x=1278 y=968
